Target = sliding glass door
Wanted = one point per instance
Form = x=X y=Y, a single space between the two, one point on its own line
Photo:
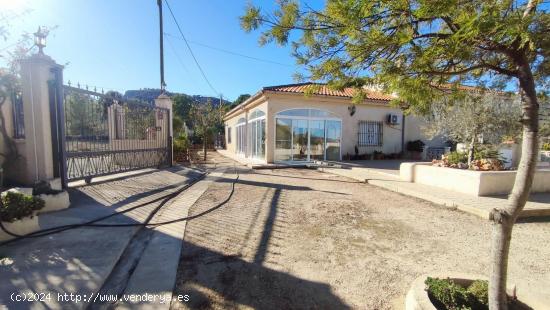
x=307 y=135
x=317 y=140
x=283 y=139
x=333 y=133
x=240 y=129
x=299 y=140
x=257 y=138
x=256 y=130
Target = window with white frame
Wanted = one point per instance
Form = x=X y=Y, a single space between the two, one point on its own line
x=370 y=133
x=240 y=129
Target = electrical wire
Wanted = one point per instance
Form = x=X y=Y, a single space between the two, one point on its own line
x=44 y=232
x=233 y=53
x=92 y=223
x=179 y=59
x=190 y=50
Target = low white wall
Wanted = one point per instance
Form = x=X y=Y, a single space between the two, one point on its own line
x=476 y=183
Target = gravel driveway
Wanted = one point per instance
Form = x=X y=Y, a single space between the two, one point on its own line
x=296 y=238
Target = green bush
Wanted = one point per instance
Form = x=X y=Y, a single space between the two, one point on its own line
x=446 y=294
x=16 y=206
x=546 y=146
x=181 y=143
x=480 y=290
x=486 y=152
x=457 y=157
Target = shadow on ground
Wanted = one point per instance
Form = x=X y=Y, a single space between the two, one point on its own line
x=79 y=260
x=225 y=257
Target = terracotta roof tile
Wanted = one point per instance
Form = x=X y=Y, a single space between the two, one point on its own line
x=324 y=90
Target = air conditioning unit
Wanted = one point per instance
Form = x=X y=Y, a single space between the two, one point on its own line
x=393 y=119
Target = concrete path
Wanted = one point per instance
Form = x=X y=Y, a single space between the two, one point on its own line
x=537 y=206
x=68 y=268
x=389 y=166
x=155 y=274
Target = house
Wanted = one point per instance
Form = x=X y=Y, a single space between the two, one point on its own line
x=283 y=124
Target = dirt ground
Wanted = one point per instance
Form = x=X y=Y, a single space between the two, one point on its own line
x=302 y=239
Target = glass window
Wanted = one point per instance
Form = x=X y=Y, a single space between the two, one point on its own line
x=319 y=113
x=334 y=132
x=283 y=139
x=256 y=137
x=261 y=152
x=370 y=133
x=307 y=134
x=241 y=139
x=295 y=112
x=256 y=114
x=307 y=113
x=228 y=135
x=299 y=139
x=317 y=140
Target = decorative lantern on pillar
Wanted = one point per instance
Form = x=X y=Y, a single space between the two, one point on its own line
x=40 y=39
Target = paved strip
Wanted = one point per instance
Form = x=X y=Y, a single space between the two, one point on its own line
x=152 y=282
x=78 y=261
x=537 y=206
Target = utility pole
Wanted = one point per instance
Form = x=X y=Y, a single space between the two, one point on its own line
x=162 y=83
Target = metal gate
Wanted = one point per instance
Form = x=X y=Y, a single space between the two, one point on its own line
x=102 y=134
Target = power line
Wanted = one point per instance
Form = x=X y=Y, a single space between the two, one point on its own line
x=233 y=53
x=178 y=57
x=189 y=48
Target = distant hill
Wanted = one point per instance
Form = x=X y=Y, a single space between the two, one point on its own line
x=150 y=94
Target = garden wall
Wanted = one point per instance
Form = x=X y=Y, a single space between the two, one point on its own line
x=476 y=183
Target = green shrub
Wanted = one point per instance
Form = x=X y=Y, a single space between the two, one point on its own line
x=546 y=146
x=16 y=206
x=480 y=290
x=446 y=294
x=486 y=152
x=457 y=157
x=181 y=143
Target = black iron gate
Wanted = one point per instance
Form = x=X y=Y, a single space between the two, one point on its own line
x=103 y=134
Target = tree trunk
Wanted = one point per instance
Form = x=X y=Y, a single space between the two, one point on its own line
x=471 y=150
x=204 y=147
x=504 y=219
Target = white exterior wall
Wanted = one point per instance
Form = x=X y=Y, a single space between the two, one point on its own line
x=233 y=120
x=272 y=103
x=350 y=124
x=414 y=131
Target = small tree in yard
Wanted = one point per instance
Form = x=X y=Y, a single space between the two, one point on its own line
x=206 y=118
x=489 y=114
x=411 y=47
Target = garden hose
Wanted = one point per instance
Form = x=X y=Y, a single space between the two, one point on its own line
x=92 y=223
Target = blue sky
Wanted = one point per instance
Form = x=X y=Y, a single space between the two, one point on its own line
x=113 y=44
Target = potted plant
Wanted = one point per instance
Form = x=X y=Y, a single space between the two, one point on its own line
x=415 y=148
x=458 y=292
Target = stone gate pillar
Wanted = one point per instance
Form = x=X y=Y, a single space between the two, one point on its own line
x=164 y=101
x=36 y=72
